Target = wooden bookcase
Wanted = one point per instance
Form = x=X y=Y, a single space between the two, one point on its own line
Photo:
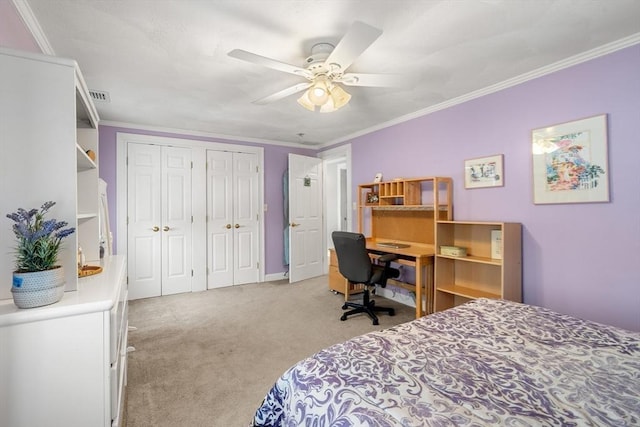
x=459 y=279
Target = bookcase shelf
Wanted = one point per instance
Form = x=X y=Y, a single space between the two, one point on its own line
x=478 y=275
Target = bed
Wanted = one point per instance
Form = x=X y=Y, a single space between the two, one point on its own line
x=486 y=362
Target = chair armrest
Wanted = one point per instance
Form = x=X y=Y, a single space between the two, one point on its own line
x=387 y=257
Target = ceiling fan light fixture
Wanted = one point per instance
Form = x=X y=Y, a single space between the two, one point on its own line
x=336 y=98
x=339 y=96
x=319 y=92
x=306 y=102
x=329 y=107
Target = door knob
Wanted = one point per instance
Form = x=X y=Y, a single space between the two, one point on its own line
x=228 y=226
x=237 y=225
x=156 y=229
x=293 y=224
x=165 y=228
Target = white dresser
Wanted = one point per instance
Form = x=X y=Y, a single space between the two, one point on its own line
x=66 y=364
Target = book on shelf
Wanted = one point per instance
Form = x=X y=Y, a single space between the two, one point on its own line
x=496 y=244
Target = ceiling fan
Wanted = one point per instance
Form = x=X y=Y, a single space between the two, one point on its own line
x=325 y=69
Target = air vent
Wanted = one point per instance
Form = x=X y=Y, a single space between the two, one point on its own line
x=100 y=95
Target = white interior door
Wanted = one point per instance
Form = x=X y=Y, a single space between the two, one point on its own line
x=246 y=221
x=219 y=219
x=176 y=220
x=159 y=220
x=232 y=218
x=144 y=212
x=306 y=243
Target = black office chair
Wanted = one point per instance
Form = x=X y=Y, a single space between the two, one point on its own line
x=356 y=266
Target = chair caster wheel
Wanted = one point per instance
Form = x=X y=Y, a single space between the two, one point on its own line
x=343 y=317
x=375 y=322
x=392 y=312
x=344 y=307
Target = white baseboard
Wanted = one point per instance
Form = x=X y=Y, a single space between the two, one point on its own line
x=276 y=276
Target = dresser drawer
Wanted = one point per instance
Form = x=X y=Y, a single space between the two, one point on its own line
x=118 y=377
x=117 y=318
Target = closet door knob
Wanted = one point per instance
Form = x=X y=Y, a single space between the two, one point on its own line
x=156 y=229
x=165 y=228
x=237 y=225
x=228 y=226
x=293 y=224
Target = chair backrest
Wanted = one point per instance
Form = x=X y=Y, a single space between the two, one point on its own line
x=353 y=259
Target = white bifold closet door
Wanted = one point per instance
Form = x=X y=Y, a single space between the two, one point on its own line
x=232 y=219
x=159 y=220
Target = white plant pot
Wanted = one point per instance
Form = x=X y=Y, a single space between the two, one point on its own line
x=38 y=288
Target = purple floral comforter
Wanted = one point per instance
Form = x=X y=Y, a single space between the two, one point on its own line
x=484 y=363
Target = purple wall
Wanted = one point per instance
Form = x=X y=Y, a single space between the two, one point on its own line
x=275 y=163
x=580 y=259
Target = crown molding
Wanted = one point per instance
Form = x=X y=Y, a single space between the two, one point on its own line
x=540 y=72
x=32 y=24
x=202 y=134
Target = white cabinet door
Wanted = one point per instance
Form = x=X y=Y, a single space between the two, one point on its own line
x=305 y=218
x=159 y=220
x=232 y=218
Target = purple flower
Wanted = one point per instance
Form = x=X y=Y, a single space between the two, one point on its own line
x=38 y=239
x=64 y=233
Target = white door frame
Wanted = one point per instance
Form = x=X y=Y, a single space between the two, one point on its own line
x=199 y=176
x=341 y=154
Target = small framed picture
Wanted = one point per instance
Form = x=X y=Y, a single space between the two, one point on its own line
x=372 y=198
x=378 y=177
x=484 y=172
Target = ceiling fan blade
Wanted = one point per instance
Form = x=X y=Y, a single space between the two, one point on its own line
x=374 y=80
x=357 y=40
x=269 y=63
x=283 y=93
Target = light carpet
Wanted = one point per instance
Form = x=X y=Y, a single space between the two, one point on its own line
x=208 y=358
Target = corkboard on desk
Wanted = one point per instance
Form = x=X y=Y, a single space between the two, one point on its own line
x=403 y=225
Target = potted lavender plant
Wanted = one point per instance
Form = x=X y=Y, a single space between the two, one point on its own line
x=37 y=280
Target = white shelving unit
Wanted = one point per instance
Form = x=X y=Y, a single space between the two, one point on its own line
x=63 y=364
x=48 y=124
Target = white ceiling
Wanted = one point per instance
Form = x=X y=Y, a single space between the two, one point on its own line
x=164 y=63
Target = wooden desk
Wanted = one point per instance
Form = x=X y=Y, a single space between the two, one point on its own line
x=418 y=255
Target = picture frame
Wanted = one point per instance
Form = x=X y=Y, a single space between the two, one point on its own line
x=372 y=198
x=484 y=172
x=570 y=162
